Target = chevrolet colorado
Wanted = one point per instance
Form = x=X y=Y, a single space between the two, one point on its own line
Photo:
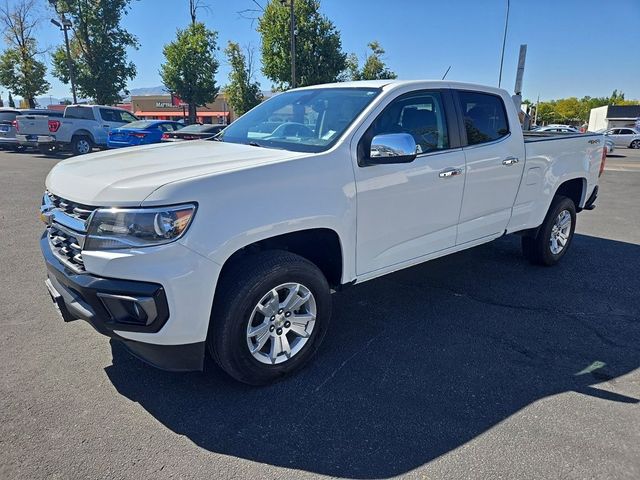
x=234 y=245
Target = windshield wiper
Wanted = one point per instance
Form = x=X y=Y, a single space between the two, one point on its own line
x=255 y=144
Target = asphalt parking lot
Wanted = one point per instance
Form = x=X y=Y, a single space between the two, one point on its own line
x=477 y=365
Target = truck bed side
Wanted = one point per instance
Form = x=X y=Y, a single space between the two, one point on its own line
x=551 y=160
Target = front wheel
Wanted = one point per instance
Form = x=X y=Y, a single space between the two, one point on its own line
x=554 y=235
x=270 y=315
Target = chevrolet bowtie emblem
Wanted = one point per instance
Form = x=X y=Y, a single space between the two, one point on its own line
x=47 y=217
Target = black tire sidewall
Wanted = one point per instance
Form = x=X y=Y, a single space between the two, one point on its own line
x=77 y=139
x=558 y=205
x=228 y=335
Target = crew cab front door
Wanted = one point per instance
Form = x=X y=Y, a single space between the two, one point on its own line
x=409 y=210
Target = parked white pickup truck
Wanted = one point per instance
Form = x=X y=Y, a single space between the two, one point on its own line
x=81 y=128
x=234 y=245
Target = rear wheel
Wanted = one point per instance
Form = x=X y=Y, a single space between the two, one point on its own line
x=554 y=235
x=635 y=144
x=46 y=149
x=270 y=315
x=81 y=145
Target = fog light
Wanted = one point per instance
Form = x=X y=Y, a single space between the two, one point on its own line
x=129 y=310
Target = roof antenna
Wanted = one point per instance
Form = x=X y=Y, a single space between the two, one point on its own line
x=445 y=73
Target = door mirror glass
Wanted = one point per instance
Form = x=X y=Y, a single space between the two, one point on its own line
x=392 y=148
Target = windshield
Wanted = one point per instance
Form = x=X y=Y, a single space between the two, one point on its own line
x=302 y=120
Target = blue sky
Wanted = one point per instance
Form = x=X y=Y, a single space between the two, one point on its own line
x=575 y=47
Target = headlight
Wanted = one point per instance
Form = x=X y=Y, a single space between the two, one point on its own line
x=115 y=228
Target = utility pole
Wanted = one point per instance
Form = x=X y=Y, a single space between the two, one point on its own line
x=293 y=40
x=504 y=42
x=293 y=46
x=65 y=24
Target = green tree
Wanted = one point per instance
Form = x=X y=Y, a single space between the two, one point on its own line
x=20 y=71
x=12 y=104
x=243 y=92
x=98 y=49
x=191 y=67
x=319 y=56
x=374 y=67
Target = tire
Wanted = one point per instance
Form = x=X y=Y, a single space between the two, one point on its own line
x=81 y=145
x=248 y=284
x=45 y=149
x=541 y=249
x=635 y=144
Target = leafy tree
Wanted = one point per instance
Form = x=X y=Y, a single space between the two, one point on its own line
x=243 y=92
x=12 y=104
x=20 y=71
x=191 y=67
x=319 y=56
x=374 y=67
x=98 y=49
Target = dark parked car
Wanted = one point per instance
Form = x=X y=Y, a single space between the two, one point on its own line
x=193 y=132
x=8 y=124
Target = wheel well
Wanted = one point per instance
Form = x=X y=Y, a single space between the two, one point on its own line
x=83 y=133
x=572 y=189
x=320 y=246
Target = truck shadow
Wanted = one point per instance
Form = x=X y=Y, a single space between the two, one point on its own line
x=420 y=362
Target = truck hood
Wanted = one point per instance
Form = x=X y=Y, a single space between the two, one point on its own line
x=126 y=177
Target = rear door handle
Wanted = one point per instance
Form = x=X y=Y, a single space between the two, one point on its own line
x=450 y=172
x=510 y=161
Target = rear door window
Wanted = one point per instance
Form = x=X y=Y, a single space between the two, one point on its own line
x=82 y=113
x=484 y=115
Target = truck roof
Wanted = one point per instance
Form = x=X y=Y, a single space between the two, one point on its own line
x=392 y=84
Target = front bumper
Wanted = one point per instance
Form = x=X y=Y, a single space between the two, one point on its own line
x=91 y=298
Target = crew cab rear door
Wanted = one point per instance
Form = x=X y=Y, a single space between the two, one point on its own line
x=111 y=118
x=494 y=154
x=408 y=210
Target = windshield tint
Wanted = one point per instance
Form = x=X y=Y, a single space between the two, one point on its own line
x=302 y=120
x=138 y=125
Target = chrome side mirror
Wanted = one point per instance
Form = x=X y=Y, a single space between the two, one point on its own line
x=392 y=148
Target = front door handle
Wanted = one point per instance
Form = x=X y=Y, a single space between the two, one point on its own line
x=450 y=172
x=510 y=161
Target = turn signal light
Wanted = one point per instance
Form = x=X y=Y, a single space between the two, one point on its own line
x=54 y=125
x=14 y=124
x=165 y=135
x=603 y=161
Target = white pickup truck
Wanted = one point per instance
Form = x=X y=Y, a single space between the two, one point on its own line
x=81 y=128
x=233 y=246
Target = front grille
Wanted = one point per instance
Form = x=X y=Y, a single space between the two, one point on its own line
x=66 y=245
x=67 y=229
x=75 y=210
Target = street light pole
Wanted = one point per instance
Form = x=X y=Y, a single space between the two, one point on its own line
x=504 y=41
x=65 y=24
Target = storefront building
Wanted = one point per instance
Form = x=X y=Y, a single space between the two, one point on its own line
x=168 y=107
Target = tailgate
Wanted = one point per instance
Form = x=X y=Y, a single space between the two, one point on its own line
x=33 y=124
